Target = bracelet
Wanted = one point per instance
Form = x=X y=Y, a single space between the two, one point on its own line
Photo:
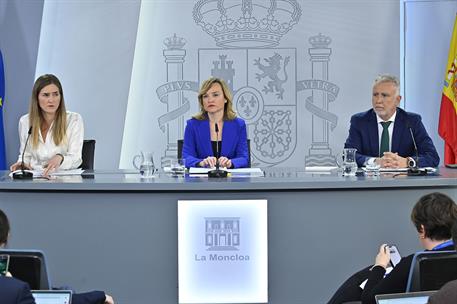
x=61 y=156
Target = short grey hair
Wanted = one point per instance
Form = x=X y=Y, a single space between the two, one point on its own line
x=388 y=78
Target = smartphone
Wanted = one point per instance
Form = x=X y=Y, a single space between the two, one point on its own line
x=395 y=256
x=4 y=263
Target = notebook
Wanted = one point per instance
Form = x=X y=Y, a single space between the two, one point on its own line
x=404 y=298
x=52 y=296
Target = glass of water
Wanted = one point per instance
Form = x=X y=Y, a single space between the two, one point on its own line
x=347 y=161
x=178 y=166
x=372 y=169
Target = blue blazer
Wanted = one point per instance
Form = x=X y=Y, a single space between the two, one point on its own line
x=14 y=291
x=363 y=135
x=197 y=142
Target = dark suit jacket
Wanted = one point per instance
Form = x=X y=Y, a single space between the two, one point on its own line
x=363 y=135
x=197 y=142
x=14 y=291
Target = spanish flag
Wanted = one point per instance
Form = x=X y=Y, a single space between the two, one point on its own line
x=448 y=113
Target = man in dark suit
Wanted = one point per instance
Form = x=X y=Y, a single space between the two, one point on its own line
x=14 y=291
x=385 y=134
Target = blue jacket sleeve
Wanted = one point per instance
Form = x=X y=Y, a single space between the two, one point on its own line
x=355 y=140
x=428 y=157
x=189 y=149
x=241 y=159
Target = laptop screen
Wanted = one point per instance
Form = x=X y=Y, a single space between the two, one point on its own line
x=52 y=296
x=405 y=298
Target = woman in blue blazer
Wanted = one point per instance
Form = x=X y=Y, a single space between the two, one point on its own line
x=215 y=128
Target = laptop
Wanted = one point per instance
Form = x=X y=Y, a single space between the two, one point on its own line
x=52 y=296
x=404 y=298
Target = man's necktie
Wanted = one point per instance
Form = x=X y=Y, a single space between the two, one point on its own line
x=384 y=147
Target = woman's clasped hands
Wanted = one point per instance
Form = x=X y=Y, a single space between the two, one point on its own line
x=211 y=161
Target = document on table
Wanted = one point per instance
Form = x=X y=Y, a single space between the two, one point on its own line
x=321 y=168
x=428 y=169
x=39 y=173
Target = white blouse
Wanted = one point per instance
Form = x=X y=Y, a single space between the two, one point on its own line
x=70 y=147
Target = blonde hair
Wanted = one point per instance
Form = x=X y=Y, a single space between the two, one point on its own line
x=229 y=114
x=36 y=118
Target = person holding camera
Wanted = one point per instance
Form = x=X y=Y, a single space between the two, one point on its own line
x=433 y=216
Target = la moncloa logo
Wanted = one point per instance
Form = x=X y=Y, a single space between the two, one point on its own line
x=222 y=233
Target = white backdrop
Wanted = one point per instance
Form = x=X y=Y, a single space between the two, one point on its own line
x=353 y=47
x=91 y=46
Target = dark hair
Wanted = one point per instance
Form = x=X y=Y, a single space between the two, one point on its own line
x=437 y=212
x=4 y=228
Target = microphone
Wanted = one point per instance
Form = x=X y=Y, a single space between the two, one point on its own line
x=217 y=172
x=216 y=128
x=413 y=171
x=24 y=174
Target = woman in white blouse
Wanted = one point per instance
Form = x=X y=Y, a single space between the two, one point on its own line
x=56 y=136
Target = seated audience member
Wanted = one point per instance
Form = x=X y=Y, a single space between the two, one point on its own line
x=385 y=134
x=448 y=293
x=14 y=291
x=56 y=136
x=201 y=141
x=433 y=216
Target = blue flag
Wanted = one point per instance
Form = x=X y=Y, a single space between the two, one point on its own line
x=2 y=100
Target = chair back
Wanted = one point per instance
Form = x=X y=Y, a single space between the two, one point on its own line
x=87 y=154
x=29 y=266
x=181 y=143
x=430 y=270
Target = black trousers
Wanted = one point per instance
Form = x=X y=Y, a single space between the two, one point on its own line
x=350 y=290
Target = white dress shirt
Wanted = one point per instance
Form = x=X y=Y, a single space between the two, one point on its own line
x=70 y=147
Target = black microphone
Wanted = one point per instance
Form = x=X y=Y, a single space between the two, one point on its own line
x=217 y=172
x=24 y=174
x=415 y=146
x=216 y=128
x=415 y=170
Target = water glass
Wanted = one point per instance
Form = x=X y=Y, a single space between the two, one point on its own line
x=372 y=169
x=349 y=168
x=178 y=166
x=347 y=161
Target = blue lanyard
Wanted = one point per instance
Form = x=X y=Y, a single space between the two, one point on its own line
x=445 y=244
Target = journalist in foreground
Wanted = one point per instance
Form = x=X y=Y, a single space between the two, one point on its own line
x=56 y=135
x=448 y=293
x=14 y=291
x=388 y=135
x=433 y=217
x=215 y=128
